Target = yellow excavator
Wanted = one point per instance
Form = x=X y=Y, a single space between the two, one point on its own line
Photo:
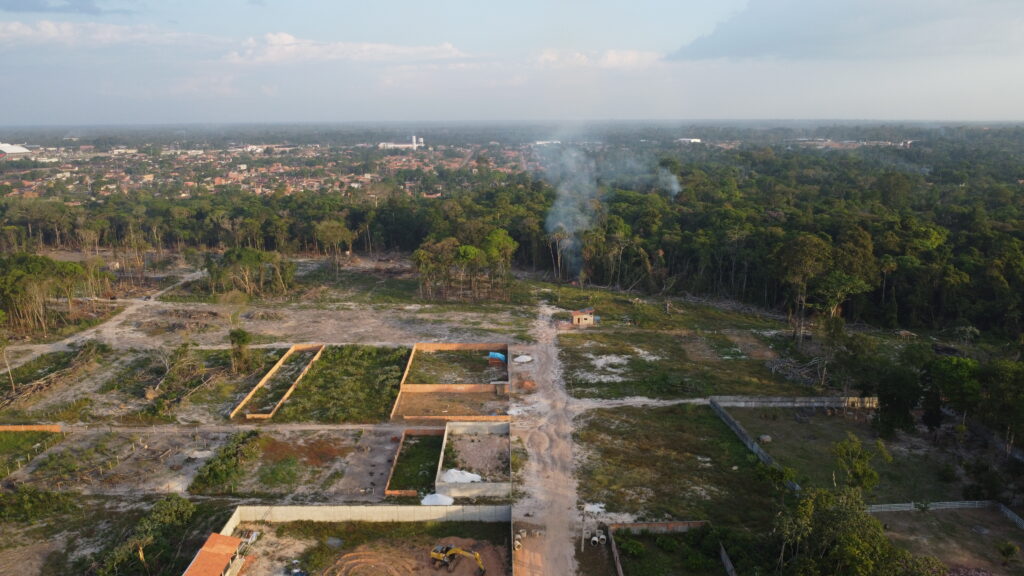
x=444 y=555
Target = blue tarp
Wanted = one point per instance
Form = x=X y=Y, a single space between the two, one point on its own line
x=497 y=355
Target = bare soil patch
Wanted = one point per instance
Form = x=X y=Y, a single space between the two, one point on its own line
x=962 y=539
x=483 y=454
x=752 y=346
x=450 y=405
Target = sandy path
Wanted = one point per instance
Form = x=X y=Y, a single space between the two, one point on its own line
x=545 y=425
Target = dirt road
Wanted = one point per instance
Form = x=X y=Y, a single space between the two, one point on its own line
x=545 y=425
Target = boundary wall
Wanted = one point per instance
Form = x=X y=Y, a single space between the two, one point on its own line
x=957 y=505
x=474 y=489
x=405 y=433
x=280 y=514
x=31 y=428
x=796 y=402
x=747 y=441
x=665 y=528
x=270 y=374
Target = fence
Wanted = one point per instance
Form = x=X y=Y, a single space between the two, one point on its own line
x=912 y=506
x=20 y=460
x=797 y=402
x=747 y=441
x=280 y=514
x=664 y=528
x=484 y=489
x=270 y=374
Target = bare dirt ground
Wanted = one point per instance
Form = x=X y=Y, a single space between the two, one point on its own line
x=545 y=426
x=128 y=462
x=962 y=539
x=696 y=348
x=411 y=404
x=367 y=467
x=321 y=458
x=271 y=553
x=28 y=559
x=397 y=559
x=750 y=345
x=483 y=454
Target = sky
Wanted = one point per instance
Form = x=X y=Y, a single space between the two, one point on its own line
x=74 y=62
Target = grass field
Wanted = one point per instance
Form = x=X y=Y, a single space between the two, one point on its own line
x=694 y=553
x=959 y=538
x=632 y=362
x=679 y=462
x=805 y=445
x=268 y=395
x=417 y=464
x=454 y=367
x=22 y=446
x=347 y=384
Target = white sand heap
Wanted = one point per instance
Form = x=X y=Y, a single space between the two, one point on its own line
x=460 y=477
x=437 y=500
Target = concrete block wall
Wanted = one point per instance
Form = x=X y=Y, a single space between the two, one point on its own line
x=796 y=402
x=474 y=489
x=278 y=514
x=747 y=441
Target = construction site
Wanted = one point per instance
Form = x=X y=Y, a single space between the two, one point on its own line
x=355 y=441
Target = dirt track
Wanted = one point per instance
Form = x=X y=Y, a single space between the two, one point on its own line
x=545 y=425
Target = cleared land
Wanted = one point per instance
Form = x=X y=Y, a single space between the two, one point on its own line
x=268 y=395
x=412 y=405
x=483 y=454
x=305 y=466
x=673 y=364
x=454 y=367
x=679 y=462
x=379 y=549
x=960 y=538
x=22 y=446
x=803 y=440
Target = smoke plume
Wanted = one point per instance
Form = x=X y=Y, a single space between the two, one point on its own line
x=573 y=174
x=668 y=182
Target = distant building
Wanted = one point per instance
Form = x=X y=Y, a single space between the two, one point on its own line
x=584 y=317
x=413 y=145
x=688 y=140
x=13 y=151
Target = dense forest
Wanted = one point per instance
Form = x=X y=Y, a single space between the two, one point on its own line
x=928 y=236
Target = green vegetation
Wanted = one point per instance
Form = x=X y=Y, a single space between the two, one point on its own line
x=23 y=446
x=61 y=464
x=223 y=472
x=693 y=553
x=347 y=384
x=454 y=367
x=282 y=473
x=29 y=505
x=804 y=441
x=28 y=283
x=355 y=534
x=678 y=462
x=416 y=466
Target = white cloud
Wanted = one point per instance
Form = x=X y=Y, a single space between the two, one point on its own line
x=863 y=29
x=608 y=59
x=281 y=47
x=86 y=33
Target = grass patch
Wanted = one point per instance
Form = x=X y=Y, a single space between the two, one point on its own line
x=417 y=464
x=78 y=410
x=692 y=553
x=454 y=367
x=347 y=384
x=677 y=462
x=354 y=534
x=284 y=472
x=803 y=440
x=222 y=473
x=15 y=446
x=634 y=362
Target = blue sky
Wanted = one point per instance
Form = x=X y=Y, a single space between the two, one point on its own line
x=170 y=61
